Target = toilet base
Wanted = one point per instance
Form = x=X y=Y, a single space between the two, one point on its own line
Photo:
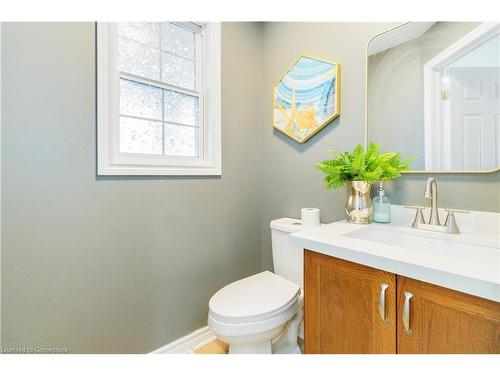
x=264 y=348
x=261 y=343
x=280 y=340
x=261 y=348
x=287 y=341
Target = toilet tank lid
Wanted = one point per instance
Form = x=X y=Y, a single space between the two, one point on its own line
x=287 y=225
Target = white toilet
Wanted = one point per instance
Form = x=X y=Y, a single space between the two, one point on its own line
x=263 y=313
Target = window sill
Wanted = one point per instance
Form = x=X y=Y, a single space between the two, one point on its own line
x=149 y=170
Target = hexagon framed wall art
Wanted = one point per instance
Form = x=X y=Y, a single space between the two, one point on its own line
x=306 y=98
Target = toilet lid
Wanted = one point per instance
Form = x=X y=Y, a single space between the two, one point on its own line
x=258 y=297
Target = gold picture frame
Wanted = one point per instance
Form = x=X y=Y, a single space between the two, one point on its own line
x=316 y=82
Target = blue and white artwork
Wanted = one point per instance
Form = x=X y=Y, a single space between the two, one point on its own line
x=306 y=98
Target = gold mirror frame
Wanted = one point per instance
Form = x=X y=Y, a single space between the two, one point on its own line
x=366 y=116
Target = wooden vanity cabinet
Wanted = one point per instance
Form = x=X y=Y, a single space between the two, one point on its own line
x=444 y=321
x=351 y=308
x=341 y=307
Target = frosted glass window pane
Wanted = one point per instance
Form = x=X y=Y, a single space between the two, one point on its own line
x=177 y=71
x=140 y=136
x=177 y=40
x=136 y=58
x=181 y=140
x=137 y=99
x=142 y=32
x=181 y=108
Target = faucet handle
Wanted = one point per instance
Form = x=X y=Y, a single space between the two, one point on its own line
x=419 y=216
x=451 y=223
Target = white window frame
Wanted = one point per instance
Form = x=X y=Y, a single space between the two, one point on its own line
x=112 y=162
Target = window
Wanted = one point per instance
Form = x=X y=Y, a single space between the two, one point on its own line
x=158 y=89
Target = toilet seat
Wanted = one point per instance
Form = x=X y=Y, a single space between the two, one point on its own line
x=257 y=298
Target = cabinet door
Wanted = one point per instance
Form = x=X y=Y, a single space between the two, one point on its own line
x=344 y=307
x=441 y=320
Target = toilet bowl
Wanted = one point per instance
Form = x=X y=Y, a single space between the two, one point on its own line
x=262 y=313
x=255 y=314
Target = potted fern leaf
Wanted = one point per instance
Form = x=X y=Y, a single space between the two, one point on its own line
x=360 y=169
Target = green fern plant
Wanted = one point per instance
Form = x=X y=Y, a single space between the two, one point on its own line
x=370 y=166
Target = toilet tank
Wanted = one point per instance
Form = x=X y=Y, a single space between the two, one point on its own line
x=288 y=260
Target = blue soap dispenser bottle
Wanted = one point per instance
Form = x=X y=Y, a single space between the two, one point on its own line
x=381 y=206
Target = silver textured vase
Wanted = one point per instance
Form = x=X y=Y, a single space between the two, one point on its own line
x=359 y=207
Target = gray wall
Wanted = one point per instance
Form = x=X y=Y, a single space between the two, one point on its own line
x=396 y=90
x=114 y=264
x=290 y=180
x=396 y=101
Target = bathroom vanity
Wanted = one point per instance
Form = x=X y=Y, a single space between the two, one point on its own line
x=399 y=287
x=390 y=288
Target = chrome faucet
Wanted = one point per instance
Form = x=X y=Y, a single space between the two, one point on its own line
x=432 y=194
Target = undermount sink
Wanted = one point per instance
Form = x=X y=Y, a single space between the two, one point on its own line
x=450 y=244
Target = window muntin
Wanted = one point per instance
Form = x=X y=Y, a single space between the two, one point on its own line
x=160 y=89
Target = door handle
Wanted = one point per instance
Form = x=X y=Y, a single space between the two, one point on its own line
x=381 y=302
x=406 y=313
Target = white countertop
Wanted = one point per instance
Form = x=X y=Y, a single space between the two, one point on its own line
x=468 y=262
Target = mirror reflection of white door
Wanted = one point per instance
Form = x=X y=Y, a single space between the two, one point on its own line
x=462 y=104
x=474 y=118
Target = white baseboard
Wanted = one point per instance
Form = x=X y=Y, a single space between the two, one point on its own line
x=187 y=344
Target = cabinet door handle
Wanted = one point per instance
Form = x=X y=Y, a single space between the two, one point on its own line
x=406 y=313
x=381 y=302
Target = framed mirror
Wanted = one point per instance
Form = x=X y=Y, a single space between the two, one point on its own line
x=433 y=95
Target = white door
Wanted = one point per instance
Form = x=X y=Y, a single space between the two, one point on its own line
x=474 y=113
